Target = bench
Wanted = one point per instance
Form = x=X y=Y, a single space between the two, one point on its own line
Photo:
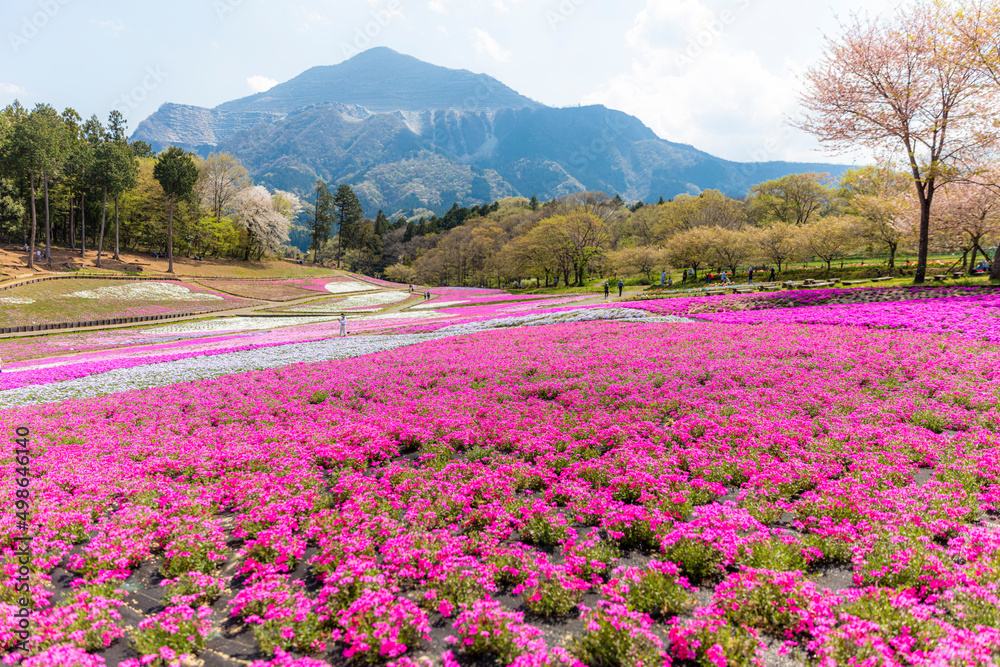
x=957 y=274
x=880 y=279
x=854 y=282
x=770 y=288
x=940 y=278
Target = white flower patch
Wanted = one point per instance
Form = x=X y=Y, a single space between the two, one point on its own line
x=404 y=315
x=350 y=286
x=16 y=300
x=237 y=324
x=146 y=291
x=205 y=368
x=208 y=367
x=564 y=317
x=372 y=300
x=436 y=304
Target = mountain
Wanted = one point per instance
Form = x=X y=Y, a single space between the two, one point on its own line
x=408 y=135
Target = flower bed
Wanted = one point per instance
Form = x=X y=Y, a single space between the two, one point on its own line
x=975 y=317
x=265 y=290
x=708 y=491
x=78 y=300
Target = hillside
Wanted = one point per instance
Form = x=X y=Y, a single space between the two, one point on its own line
x=407 y=134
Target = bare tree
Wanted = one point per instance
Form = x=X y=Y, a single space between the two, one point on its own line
x=778 y=243
x=828 y=238
x=221 y=178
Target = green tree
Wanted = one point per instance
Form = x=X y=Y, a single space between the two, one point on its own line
x=94 y=135
x=118 y=172
x=349 y=213
x=322 y=219
x=11 y=210
x=176 y=173
x=50 y=152
x=36 y=151
x=794 y=199
x=75 y=165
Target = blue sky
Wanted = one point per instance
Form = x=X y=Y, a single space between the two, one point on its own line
x=718 y=74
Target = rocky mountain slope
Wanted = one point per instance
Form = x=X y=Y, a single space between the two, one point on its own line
x=408 y=135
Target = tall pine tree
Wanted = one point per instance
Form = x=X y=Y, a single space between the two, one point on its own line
x=323 y=218
x=349 y=213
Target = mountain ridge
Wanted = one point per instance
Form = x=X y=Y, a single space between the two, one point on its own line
x=409 y=135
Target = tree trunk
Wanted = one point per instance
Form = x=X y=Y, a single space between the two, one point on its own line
x=892 y=255
x=72 y=226
x=116 y=229
x=48 y=226
x=34 y=225
x=972 y=260
x=104 y=218
x=925 y=225
x=170 y=238
x=83 y=225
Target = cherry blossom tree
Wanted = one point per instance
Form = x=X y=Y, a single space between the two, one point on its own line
x=971 y=212
x=904 y=85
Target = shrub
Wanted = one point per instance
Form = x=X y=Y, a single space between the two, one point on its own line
x=172 y=634
x=710 y=642
x=698 y=560
x=193 y=588
x=379 y=625
x=658 y=591
x=552 y=594
x=485 y=629
x=617 y=637
x=778 y=603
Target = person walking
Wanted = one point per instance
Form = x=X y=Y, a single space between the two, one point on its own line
x=343 y=325
x=621 y=286
x=751 y=274
x=771 y=279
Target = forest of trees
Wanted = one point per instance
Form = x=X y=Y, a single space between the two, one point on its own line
x=920 y=87
x=83 y=185
x=868 y=213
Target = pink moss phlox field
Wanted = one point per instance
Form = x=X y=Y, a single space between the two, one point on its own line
x=970 y=312
x=973 y=317
x=832 y=488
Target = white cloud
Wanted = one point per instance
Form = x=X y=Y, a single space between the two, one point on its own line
x=486 y=45
x=437 y=6
x=310 y=18
x=114 y=26
x=259 y=83
x=12 y=89
x=692 y=84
